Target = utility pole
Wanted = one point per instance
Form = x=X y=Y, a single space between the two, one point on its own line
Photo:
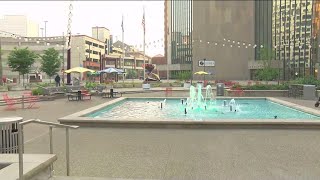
x=64 y=43
x=41 y=32
x=1 y=68
x=45 y=28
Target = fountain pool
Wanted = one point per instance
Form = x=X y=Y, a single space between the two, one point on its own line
x=181 y=109
x=199 y=109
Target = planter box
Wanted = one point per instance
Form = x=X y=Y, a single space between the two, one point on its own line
x=146 y=86
x=137 y=85
x=260 y=93
x=128 y=85
x=186 y=85
x=165 y=85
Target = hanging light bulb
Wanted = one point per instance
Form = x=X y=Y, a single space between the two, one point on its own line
x=246 y=46
x=243 y=43
x=215 y=43
x=233 y=41
x=261 y=46
x=38 y=42
x=231 y=45
x=223 y=44
x=200 y=40
x=238 y=42
x=238 y=46
x=249 y=44
x=208 y=42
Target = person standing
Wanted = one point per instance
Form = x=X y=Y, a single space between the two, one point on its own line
x=57 y=79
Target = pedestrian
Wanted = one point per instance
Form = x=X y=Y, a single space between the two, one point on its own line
x=57 y=79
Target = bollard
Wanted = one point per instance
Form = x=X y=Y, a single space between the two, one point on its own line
x=230 y=108
x=224 y=103
x=182 y=101
x=161 y=105
x=185 y=110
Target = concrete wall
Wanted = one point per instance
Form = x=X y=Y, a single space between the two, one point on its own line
x=214 y=21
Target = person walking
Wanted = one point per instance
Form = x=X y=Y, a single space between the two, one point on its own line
x=57 y=79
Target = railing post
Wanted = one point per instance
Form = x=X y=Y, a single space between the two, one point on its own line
x=20 y=149
x=67 y=152
x=51 y=142
x=51 y=148
x=22 y=101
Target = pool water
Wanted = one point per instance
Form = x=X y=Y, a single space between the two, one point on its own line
x=172 y=109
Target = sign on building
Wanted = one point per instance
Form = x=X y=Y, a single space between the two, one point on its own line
x=206 y=63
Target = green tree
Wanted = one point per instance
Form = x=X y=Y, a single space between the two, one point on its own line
x=50 y=62
x=131 y=74
x=21 y=60
x=266 y=55
x=184 y=75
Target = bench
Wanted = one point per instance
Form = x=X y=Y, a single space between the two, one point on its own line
x=50 y=91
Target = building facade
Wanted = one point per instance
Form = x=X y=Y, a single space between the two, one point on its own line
x=19 y=25
x=222 y=32
x=202 y=31
x=292 y=37
x=178 y=36
x=36 y=44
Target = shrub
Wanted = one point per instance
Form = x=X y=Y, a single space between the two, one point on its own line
x=37 y=91
x=306 y=80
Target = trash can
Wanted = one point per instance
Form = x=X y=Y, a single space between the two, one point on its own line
x=220 y=89
x=9 y=134
x=309 y=92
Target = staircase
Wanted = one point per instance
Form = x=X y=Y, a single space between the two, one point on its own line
x=88 y=178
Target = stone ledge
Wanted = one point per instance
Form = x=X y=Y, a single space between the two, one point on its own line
x=33 y=165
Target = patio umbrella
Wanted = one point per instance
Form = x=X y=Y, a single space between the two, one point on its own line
x=78 y=70
x=201 y=73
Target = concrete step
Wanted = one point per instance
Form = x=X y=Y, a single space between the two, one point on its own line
x=88 y=178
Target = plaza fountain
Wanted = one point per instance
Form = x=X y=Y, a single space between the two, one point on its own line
x=198 y=102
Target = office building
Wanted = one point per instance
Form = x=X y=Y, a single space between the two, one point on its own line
x=178 y=36
x=19 y=25
x=292 y=37
x=207 y=31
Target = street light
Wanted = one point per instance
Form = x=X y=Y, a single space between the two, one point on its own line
x=45 y=28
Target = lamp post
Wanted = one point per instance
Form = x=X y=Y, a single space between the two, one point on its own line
x=204 y=69
x=45 y=28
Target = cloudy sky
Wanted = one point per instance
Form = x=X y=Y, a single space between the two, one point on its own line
x=87 y=14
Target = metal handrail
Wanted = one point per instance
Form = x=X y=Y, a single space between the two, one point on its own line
x=51 y=125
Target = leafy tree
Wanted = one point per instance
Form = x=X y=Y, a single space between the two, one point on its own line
x=50 y=62
x=131 y=74
x=266 y=55
x=184 y=75
x=21 y=60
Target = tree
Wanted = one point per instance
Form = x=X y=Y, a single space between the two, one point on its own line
x=50 y=62
x=266 y=55
x=131 y=74
x=21 y=60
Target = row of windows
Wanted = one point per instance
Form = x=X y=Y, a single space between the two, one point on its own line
x=94 y=44
x=181 y=31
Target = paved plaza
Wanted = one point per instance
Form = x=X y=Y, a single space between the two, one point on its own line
x=148 y=153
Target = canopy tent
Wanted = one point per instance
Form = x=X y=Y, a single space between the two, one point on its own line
x=78 y=70
x=111 y=70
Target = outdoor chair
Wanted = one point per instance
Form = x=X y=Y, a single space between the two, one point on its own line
x=9 y=103
x=31 y=100
x=85 y=94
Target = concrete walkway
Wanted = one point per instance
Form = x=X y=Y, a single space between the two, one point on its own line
x=175 y=153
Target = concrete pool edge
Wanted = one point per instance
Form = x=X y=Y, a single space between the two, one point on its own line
x=78 y=119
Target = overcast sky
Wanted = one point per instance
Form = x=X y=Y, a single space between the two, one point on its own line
x=87 y=14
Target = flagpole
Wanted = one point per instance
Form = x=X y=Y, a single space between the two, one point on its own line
x=123 y=53
x=144 y=46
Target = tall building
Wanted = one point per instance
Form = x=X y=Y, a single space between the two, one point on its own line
x=20 y=25
x=178 y=35
x=198 y=31
x=292 y=36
